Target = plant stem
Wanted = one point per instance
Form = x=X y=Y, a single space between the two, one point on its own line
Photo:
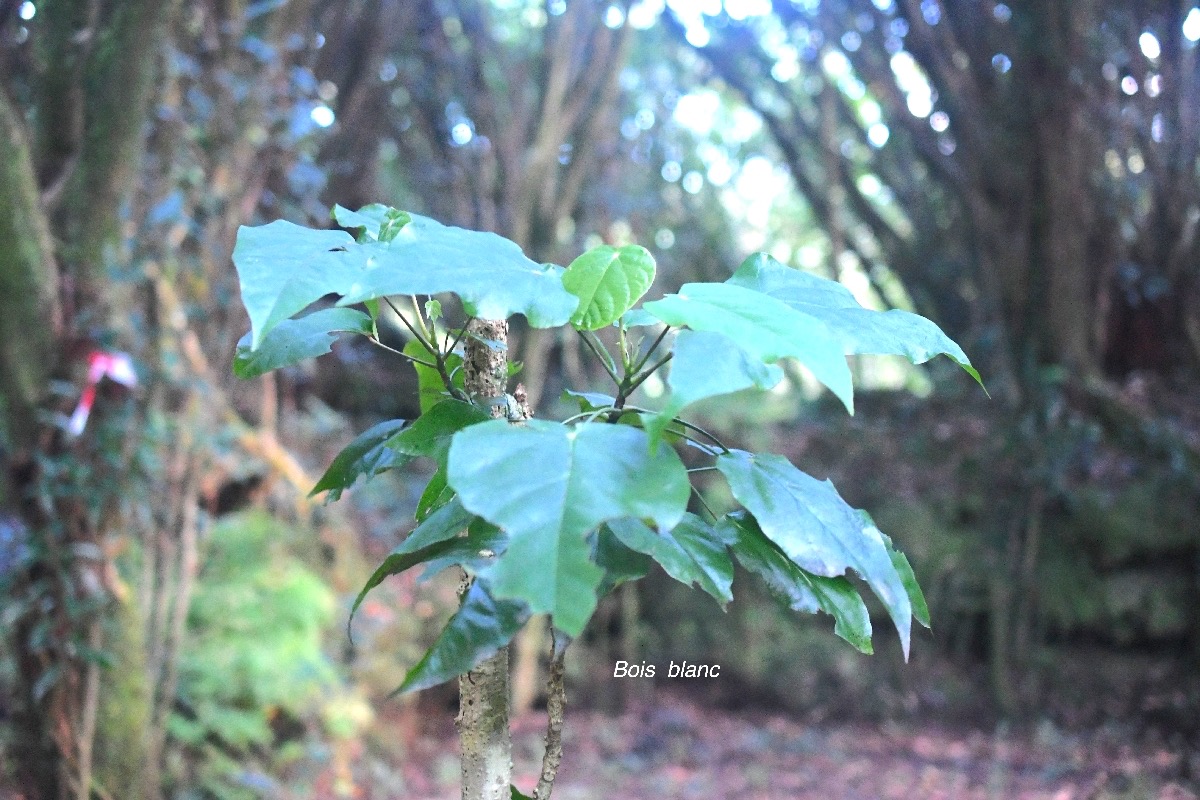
x=624 y=345
x=646 y=356
x=459 y=336
x=556 y=706
x=602 y=354
x=688 y=426
x=430 y=333
x=641 y=378
x=413 y=359
x=483 y=692
x=596 y=412
x=418 y=334
x=448 y=379
x=704 y=503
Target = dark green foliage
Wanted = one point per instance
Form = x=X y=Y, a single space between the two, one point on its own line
x=369 y=454
x=801 y=590
x=480 y=627
x=691 y=553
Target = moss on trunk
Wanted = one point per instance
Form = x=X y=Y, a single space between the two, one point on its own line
x=29 y=314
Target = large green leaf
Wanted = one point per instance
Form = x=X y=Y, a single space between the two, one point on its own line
x=489 y=273
x=763 y=273
x=860 y=330
x=764 y=327
x=801 y=590
x=608 y=281
x=816 y=528
x=547 y=485
x=691 y=553
x=706 y=364
x=283 y=268
x=368 y=455
x=481 y=626
x=295 y=340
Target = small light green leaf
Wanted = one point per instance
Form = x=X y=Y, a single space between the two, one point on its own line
x=480 y=627
x=295 y=340
x=608 y=281
x=706 y=364
x=860 y=330
x=366 y=456
x=547 y=485
x=816 y=528
x=430 y=388
x=766 y=328
x=432 y=537
x=375 y=222
x=691 y=553
x=393 y=222
x=433 y=309
x=801 y=590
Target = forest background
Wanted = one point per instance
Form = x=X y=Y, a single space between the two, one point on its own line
x=1024 y=174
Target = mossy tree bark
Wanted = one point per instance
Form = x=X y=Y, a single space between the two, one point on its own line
x=92 y=97
x=30 y=318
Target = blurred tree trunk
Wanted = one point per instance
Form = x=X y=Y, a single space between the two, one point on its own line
x=83 y=726
x=30 y=325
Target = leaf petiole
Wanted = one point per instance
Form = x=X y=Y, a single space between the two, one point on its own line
x=601 y=353
x=641 y=378
x=646 y=356
x=418 y=334
x=413 y=359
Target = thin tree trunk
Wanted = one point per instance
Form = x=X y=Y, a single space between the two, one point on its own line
x=483 y=692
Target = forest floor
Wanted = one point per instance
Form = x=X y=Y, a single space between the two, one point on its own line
x=678 y=749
